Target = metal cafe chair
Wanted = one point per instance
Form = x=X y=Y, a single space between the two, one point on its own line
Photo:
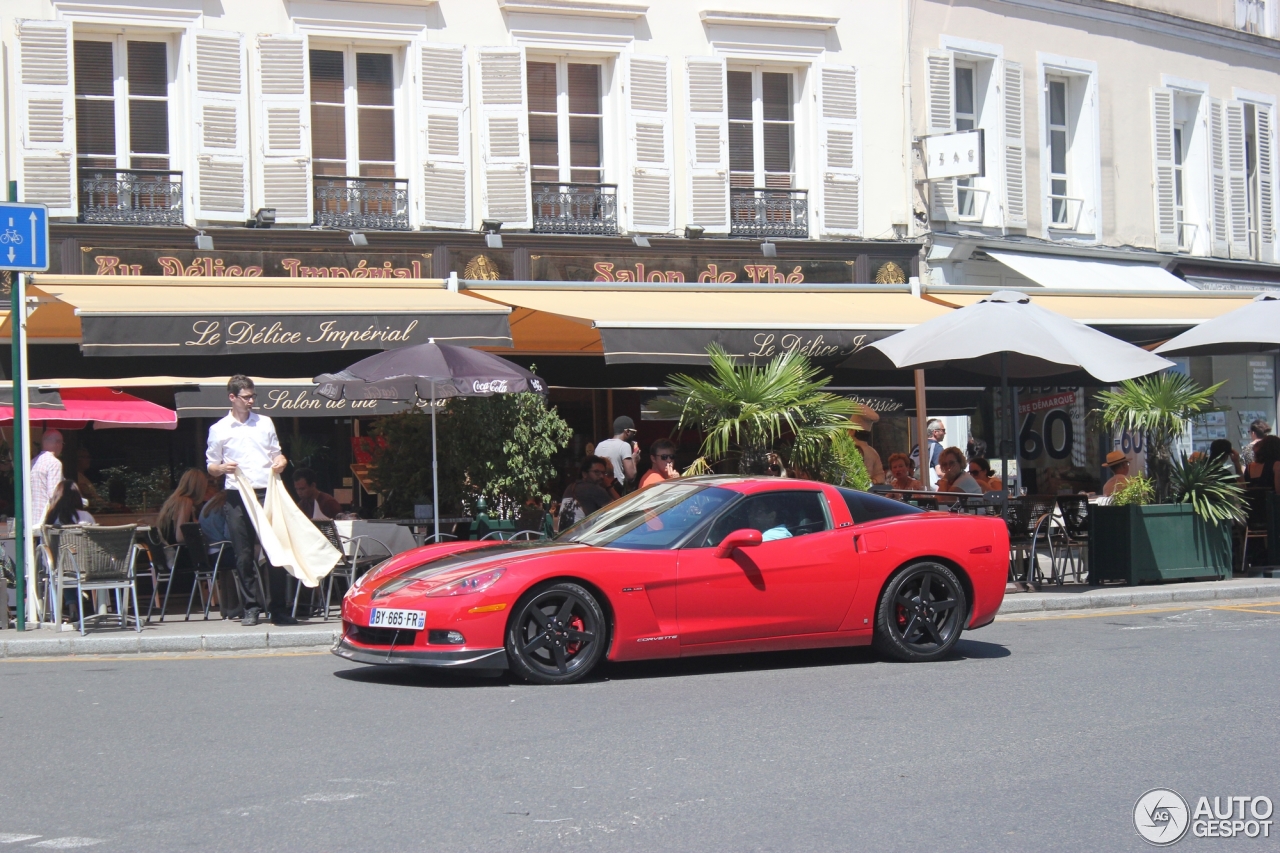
x=205 y=571
x=1030 y=521
x=1073 y=548
x=1256 y=523
x=100 y=558
x=164 y=562
x=359 y=554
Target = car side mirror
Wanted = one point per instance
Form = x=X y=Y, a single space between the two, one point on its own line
x=744 y=538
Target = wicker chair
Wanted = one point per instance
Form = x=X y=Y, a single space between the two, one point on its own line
x=99 y=558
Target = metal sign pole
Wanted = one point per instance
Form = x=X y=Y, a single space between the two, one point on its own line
x=18 y=289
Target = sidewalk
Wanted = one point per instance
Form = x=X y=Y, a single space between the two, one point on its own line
x=219 y=635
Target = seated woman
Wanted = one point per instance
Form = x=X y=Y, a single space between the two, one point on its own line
x=1222 y=450
x=67 y=506
x=183 y=506
x=900 y=473
x=980 y=469
x=1261 y=472
x=954 y=476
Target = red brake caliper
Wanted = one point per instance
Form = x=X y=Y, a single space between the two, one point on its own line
x=573 y=648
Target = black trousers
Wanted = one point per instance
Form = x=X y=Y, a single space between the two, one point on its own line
x=244 y=541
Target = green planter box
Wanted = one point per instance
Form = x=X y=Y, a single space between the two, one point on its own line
x=1156 y=543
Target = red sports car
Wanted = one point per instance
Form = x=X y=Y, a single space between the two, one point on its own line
x=707 y=565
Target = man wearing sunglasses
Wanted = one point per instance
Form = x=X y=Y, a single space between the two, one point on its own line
x=247 y=441
x=662 y=456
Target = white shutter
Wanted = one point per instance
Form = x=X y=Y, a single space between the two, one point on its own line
x=284 y=128
x=444 y=138
x=504 y=137
x=219 y=178
x=1237 y=179
x=1264 y=131
x=707 y=142
x=1219 y=202
x=1163 y=158
x=942 y=119
x=46 y=116
x=1015 y=148
x=652 y=197
x=840 y=129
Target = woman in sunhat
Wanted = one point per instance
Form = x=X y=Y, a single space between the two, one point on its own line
x=1119 y=465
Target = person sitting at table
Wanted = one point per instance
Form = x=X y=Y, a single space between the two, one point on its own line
x=1119 y=465
x=183 y=506
x=315 y=504
x=662 y=454
x=955 y=476
x=67 y=506
x=1222 y=451
x=1261 y=472
x=980 y=469
x=900 y=473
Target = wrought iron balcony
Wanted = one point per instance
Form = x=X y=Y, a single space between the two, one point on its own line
x=759 y=212
x=575 y=208
x=362 y=204
x=131 y=196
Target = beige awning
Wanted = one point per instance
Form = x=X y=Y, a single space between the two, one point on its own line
x=174 y=315
x=675 y=326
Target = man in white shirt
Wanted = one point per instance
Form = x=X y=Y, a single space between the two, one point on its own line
x=247 y=441
x=46 y=475
x=621 y=451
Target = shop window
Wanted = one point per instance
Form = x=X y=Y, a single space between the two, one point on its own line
x=122 y=109
x=566 y=121
x=761 y=129
x=353 y=112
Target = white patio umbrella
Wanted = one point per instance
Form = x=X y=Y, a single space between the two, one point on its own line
x=1253 y=328
x=1008 y=335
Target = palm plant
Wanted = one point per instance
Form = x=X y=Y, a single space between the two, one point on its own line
x=744 y=411
x=1160 y=407
x=1213 y=492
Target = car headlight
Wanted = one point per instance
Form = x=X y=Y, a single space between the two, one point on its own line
x=477 y=582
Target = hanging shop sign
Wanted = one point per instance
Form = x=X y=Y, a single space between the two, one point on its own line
x=210 y=401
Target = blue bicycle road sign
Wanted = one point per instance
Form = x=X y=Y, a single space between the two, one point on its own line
x=24 y=237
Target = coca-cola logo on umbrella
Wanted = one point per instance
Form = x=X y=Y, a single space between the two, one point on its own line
x=493 y=386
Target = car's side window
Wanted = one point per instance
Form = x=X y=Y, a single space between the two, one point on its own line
x=777 y=515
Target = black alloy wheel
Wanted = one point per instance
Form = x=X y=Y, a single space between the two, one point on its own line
x=557 y=634
x=921 y=613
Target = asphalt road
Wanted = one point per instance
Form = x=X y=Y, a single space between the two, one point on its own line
x=1040 y=735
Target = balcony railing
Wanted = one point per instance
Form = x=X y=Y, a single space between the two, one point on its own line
x=131 y=196
x=362 y=204
x=757 y=212
x=570 y=208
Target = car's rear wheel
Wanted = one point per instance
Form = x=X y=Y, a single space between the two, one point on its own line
x=921 y=613
x=557 y=634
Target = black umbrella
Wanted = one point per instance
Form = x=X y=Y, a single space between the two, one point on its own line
x=439 y=370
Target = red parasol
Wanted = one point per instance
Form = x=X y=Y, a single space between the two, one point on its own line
x=103 y=407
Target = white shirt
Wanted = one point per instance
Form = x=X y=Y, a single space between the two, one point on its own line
x=252 y=445
x=615 y=450
x=46 y=476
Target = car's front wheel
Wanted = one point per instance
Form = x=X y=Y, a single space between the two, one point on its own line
x=557 y=634
x=921 y=613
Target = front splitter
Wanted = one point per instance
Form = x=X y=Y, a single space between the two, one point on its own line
x=453 y=659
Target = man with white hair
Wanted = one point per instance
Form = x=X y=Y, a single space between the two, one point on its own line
x=46 y=476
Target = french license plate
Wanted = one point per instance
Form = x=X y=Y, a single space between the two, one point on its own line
x=408 y=620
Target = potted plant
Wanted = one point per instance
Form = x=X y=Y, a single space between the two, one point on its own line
x=1176 y=524
x=748 y=413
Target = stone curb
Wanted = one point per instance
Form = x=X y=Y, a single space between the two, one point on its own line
x=133 y=643
x=1131 y=596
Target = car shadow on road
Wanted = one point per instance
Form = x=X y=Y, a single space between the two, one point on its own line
x=410 y=676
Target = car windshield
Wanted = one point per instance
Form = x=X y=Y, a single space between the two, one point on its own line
x=656 y=518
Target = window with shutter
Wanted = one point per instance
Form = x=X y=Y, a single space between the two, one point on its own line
x=504 y=137
x=1220 y=202
x=1237 y=179
x=652 y=207
x=706 y=137
x=1015 y=147
x=46 y=115
x=940 y=74
x=220 y=183
x=1167 y=165
x=1264 y=142
x=840 y=142
x=444 y=138
x=284 y=128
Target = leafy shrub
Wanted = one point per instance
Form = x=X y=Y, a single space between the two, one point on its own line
x=1138 y=490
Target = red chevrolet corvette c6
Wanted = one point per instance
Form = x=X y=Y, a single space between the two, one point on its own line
x=707 y=565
